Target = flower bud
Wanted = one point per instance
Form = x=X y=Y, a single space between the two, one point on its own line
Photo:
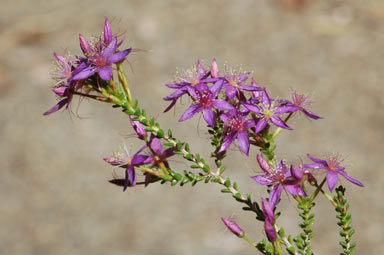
x=84 y=45
x=214 y=69
x=269 y=231
x=107 y=31
x=231 y=225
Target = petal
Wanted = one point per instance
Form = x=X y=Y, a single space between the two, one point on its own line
x=178 y=93
x=275 y=195
x=209 y=116
x=61 y=91
x=243 y=142
x=156 y=146
x=286 y=108
x=350 y=179
x=249 y=123
x=138 y=159
x=265 y=98
x=315 y=166
x=105 y=73
x=170 y=106
x=249 y=88
x=224 y=117
x=297 y=173
x=85 y=73
x=230 y=92
x=222 y=105
x=107 y=31
x=118 y=56
x=192 y=91
x=331 y=180
x=130 y=177
x=295 y=189
x=319 y=161
x=57 y=107
x=169 y=152
x=228 y=140
x=278 y=122
x=252 y=108
x=216 y=88
x=190 y=112
x=311 y=114
x=262 y=179
x=261 y=124
x=263 y=164
x=110 y=49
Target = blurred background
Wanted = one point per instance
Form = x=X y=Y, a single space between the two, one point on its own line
x=54 y=190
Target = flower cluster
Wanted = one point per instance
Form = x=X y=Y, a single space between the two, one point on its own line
x=245 y=109
x=82 y=73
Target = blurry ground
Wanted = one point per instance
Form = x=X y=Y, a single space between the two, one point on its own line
x=55 y=198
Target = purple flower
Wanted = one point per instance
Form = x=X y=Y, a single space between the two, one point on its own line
x=233 y=227
x=269 y=111
x=269 y=220
x=123 y=159
x=278 y=177
x=235 y=127
x=301 y=173
x=101 y=61
x=139 y=129
x=234 y=82
x=63 y=77
x=186 y=78
x=158 y=155
x=332 y=166
x=301 y=100
x=205 y=100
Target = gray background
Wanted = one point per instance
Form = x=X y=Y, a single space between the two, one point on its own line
x=55 y=198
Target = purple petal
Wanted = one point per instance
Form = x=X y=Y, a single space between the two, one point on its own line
x=170 y=106
x=105 y=73
x=130 y=176
x=178 y=93
x=228 y=140
x=275 y=194
x=59 y=58
x=315 y=166
x=249 y=88
x=262 y=179
x=215 y=89
x=249 y=123
x=350 y=179
x=266 y=99
x=156 y=146
x=209 y=116
x=230 y=92
x=243 y=77
x=252 y=108
x=118 y=56
x=107 y=31
x=169 y=152
x=263 y=164
x=225 y=118
x=295 y=189
x=231 y=225
x=110 y=49
x=331 y=180
x=297 y=173
x=57 y=107
x=261 y=124
x=278 y=122
x=319 y=161
x=61 y=91
x=243 y=142
x=222 y=105
x=286 y=108
x=85 y=73
x=311 y=114
x=268 y=210
x=192 y=91
x=138 y=159
x=80 y=68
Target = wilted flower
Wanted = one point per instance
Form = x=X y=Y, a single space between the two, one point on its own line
x=301 y=100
